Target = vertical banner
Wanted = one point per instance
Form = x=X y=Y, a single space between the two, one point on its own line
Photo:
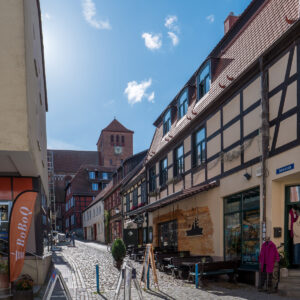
x=19 y=226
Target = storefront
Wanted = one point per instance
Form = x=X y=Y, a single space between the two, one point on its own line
x=292 y=212
x=242 y=227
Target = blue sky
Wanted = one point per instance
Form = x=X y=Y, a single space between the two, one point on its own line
x=122 y=58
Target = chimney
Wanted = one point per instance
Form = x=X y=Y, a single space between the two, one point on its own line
x=230 y=20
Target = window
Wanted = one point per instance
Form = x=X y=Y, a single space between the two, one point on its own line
x=152 y=179
x=242 y=227
x=95 y=186
x=204 y=81
x=72 y=202
x=163 y=171
x=104 y=176
x=118 y=140
x=92 y=175
x=167 y=235
x=167 y=121
x=178 y=161
x=72 y=220
x=5 y=208
x=199 y=147
x=123 y=140
x=104 y=185
x=135 y=198
x=183 y=104
x=143 y=192
x=67 y=222
x=112 y=139
x=128 y=202
x=110 y=161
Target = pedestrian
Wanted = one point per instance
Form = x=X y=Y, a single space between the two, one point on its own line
x=73 y=238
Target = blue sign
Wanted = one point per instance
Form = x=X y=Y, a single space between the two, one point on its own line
x=285 y=169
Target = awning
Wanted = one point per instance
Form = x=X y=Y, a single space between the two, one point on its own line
x=174 y=198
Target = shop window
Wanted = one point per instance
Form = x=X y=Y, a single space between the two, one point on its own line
x=199 y=147
x=167 y=122
x=150 y=234
x=178 y=161
x=152 y=179
x=241 y=227
x=167 y=235
x=183 y=104
x=204 y=81
x=5 y=208
x=163 y=171
x=128 y=202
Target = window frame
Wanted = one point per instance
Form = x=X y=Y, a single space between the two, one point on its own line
x=135 y=198
x=94 y=184
x=178 y=169
x=208 y=63
x=195 y=148
x=184 y=103
x=152 y=179
x=163 y=171
x=167 y=123
x=128 y=202
x=143 y=192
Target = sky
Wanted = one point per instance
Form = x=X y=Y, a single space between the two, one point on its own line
x=123 y=59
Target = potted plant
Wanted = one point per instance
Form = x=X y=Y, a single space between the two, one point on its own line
x=23 y=288
x=4 y=282
x=118 y=251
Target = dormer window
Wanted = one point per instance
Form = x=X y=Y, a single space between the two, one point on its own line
x=204 y=80
x=183 y=104
x=167 y=121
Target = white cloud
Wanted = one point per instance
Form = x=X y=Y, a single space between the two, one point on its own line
x=170 y=23
x=151 y=97
x=89 y=13
x=137 y=91
x=60 y=145
x=152 y=41
x=210 y=18
x=174 y=38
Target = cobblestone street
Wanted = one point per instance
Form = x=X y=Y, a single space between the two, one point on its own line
x=85 y=256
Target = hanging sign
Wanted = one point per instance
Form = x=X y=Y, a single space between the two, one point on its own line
x=20 y=221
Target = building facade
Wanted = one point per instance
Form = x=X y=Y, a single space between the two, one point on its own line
x=81 y=191
x=223 y=168
x=23 y=146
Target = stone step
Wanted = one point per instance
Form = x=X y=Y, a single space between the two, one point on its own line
x=292 y=280
x=294 y=273
x=290 y=292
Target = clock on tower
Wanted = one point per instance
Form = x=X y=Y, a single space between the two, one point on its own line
x=118 y=150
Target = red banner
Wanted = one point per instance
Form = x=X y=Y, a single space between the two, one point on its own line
x=20 y=220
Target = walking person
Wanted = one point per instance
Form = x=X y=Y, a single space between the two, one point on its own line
x=73 y=238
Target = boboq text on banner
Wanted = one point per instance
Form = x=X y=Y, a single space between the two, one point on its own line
x=20 y=220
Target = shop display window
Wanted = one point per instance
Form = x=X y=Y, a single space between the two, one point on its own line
x=4 y=225
x=167 y=234
x=242 y=227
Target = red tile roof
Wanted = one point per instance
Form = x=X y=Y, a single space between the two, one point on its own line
x=255 y=36
x=69 y=161
x=116 y=126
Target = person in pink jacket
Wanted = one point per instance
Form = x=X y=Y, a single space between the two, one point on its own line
x=267 y=258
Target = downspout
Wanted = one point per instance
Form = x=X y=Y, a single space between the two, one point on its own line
x=264 y=143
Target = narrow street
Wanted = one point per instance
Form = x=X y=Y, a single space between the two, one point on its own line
x=86 y=255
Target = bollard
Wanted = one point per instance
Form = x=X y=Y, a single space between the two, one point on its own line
x=148 y=277
x=196 y=275
x=97 y=279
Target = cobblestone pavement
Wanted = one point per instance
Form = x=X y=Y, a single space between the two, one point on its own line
x=84 y=257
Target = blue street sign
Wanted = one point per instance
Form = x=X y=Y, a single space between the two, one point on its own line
x=285 y=169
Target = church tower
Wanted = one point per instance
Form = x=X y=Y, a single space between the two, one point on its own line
x=115 y=144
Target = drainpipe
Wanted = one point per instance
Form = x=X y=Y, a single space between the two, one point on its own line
x=264 y=142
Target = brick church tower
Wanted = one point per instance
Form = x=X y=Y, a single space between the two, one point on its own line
x=115 y=144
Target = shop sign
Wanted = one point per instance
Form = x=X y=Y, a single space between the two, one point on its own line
x=285 y=169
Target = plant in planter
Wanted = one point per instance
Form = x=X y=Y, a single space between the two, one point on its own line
x=23 y=288
x=4 y=282
x=284 y=263
x=118 y=251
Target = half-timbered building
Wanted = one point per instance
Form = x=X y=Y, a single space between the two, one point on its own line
x=223 y=168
